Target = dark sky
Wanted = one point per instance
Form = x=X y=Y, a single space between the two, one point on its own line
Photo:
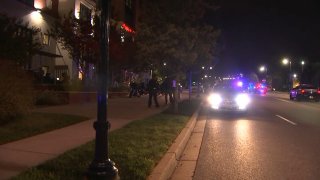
x=263 y=32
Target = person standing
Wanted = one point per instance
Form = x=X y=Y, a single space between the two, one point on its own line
x=133 y=89
x=167 y=90
x=153 y=88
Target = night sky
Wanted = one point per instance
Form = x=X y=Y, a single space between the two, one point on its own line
x=263 y=32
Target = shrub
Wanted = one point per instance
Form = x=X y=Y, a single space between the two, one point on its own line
x=16 y=91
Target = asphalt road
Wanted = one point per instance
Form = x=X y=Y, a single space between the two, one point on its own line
x=276 y=139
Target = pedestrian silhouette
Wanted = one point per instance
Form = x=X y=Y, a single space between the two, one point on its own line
x=167 y=89
x=153 y=88
x=133 y=89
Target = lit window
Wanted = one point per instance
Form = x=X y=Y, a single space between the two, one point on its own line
x=45 y=39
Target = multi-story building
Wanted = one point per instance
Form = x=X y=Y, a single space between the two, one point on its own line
x=41 y=14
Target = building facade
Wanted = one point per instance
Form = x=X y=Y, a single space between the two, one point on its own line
x=53 y=59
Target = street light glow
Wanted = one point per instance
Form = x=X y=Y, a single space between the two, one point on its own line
x=285 y=61
x=302 y=64
x=262 y=68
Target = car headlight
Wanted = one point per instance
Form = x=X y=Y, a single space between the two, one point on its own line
x=242 y=100
x=214 y=100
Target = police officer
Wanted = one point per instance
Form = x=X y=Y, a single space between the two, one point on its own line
x=153 y=88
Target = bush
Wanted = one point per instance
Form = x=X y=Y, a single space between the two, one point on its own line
x=16 y=91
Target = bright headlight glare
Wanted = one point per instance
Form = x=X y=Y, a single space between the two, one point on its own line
x=214 y=99
x=242 y=100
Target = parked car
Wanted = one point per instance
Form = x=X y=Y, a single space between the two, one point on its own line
x=305 y=92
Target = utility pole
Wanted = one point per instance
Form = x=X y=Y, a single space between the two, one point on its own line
x=102 y=167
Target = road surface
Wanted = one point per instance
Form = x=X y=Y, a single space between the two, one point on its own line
x=276 y=139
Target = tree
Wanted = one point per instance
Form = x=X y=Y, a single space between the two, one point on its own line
x=17 y=40
x=80 y=38
x=174 y=32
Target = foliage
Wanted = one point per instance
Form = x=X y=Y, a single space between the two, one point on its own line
x=79 y=38
x=16 y=91
x=17 y=40
x=179 y=37
x=315 y=79
x=121 y=53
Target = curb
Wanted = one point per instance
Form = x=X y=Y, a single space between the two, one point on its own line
x=169 y=161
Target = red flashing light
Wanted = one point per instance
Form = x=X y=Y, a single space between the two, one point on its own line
x=318 y=91
x=127 y=28
x=302 y=91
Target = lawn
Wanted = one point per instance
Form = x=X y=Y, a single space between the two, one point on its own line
x=35 y=123
x=135 y=148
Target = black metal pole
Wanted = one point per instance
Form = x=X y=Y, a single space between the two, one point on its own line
x=102 y=167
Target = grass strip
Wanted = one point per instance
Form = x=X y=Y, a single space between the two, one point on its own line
x=35 y=123
x=135 y=148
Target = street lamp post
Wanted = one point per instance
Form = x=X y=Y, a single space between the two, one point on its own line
x=294 y=75
x=286 y=61
x=102 y=167
x=302 y=64
x=263 y=69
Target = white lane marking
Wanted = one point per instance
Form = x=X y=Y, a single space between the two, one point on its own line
x=283 y=100
x=305 y=104
x=293 y=123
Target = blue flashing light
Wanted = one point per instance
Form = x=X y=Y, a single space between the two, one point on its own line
x=239 y=83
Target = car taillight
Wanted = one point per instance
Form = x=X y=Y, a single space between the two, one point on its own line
x=302 y=91
x=318 y=91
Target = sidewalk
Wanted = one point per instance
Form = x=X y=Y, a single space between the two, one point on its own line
x=18 y=156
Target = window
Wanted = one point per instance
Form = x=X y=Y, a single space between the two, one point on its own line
x=45 y=39
x=85 y=12
x=45 y=70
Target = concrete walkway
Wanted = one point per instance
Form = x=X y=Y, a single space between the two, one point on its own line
x=18 y=156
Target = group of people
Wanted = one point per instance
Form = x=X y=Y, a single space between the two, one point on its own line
x=136 y=89
x=153 y=89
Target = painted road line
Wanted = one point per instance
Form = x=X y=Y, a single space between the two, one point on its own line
x=293 y=123
x=283 y=100
x=305 y=104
